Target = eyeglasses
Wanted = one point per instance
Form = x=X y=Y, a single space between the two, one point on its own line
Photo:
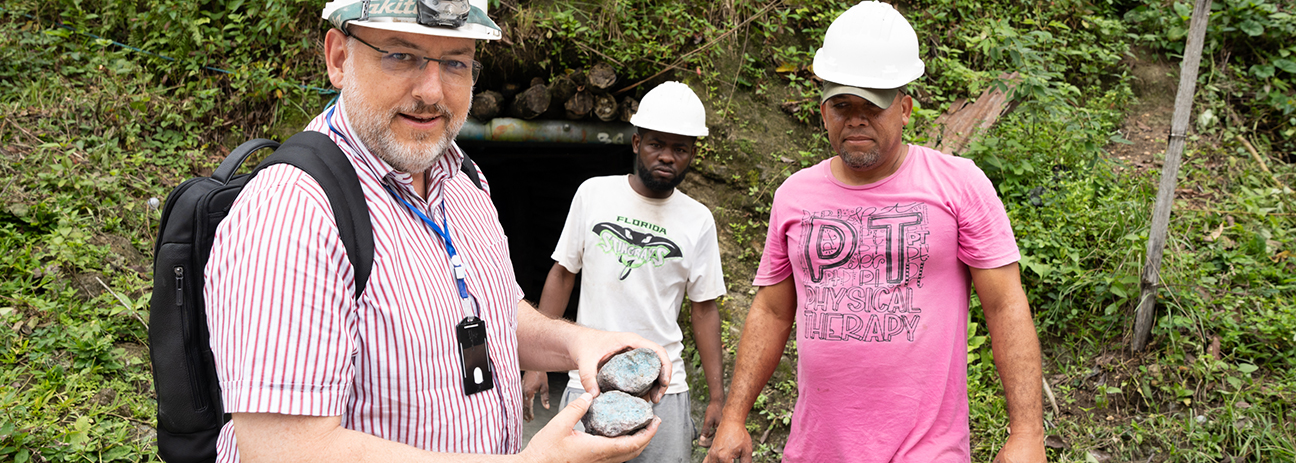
x=454 y=73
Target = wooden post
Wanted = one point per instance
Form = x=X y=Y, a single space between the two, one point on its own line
x=1151 y=279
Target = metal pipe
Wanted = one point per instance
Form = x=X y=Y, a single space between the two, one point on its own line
x=518 y=130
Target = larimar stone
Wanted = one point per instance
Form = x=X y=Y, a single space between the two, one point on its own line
x=615 y=413
x=632 y=372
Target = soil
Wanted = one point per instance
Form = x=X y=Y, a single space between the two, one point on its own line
x=1147 y=126
x=751 y=148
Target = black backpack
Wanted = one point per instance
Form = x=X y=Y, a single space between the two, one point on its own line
x=190 y=414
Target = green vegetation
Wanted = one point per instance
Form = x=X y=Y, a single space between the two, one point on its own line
x=90 y=131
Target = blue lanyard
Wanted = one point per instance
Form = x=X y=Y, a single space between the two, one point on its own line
x=328 y=119
x=460 y=272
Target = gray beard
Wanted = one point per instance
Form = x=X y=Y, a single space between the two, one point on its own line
x=372 y=126
x=866 y=159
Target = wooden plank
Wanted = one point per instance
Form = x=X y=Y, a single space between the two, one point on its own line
x=1151 y=278
x=962 y=122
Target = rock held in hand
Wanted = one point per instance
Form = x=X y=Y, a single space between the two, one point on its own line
x=615 y=413
x=632 y=372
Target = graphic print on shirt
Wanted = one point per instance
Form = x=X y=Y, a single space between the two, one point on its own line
x=634 y=248
x=863 y=266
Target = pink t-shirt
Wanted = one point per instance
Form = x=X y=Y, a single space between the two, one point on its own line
x=882 y=283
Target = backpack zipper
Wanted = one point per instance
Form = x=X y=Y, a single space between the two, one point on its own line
x=201 y=400
x=179 y=276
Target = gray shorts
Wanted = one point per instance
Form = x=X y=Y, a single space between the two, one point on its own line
x=673 y=442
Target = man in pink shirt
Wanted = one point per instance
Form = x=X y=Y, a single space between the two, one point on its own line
x=872 y=254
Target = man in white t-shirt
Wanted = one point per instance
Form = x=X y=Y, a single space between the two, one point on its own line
x=641 y=247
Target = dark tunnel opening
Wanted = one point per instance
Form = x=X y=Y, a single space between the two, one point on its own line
x=532 y=185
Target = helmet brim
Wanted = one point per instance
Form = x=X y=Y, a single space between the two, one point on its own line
x=467 y=31
x=640 y=123
x=826 y=68
x=384 y=16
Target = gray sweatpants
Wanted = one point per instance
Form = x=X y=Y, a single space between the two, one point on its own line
x=673 y=442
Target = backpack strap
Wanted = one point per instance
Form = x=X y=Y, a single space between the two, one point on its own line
x=470 y=168
x=317 y=155
x=225 y=172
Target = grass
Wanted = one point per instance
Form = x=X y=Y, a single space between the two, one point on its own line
x=90 y=133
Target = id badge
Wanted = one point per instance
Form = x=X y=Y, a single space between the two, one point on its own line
x=477 y=373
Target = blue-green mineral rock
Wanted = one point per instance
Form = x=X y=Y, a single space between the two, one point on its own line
x=615 y=413
x=632 y=372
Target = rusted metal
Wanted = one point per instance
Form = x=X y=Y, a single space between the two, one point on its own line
x=518 y=130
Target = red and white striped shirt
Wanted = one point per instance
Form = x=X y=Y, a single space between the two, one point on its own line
x=289 y=337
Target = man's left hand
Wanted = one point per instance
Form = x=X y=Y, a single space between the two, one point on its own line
x=711 y=421
x=1022 y=449
x=599 y=346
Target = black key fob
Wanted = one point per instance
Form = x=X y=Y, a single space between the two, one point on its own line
x=477 y=372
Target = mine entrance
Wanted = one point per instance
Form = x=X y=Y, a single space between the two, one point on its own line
x=532 y=185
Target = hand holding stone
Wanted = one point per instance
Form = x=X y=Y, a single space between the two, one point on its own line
x=619 y=410
x=559 y=442
x=598 y=347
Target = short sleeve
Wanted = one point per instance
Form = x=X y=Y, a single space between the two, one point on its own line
x=985 y=234
x=571 y=243
x=774 y=264
x=279 y=301
x=706 y=277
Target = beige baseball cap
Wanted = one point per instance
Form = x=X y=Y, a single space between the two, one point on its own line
x=882 y=97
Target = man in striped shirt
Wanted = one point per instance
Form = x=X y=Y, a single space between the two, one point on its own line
x=311 y=373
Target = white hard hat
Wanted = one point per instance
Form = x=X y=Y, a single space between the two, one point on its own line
x=404 y=16
x=672 y=107
x=869 y=46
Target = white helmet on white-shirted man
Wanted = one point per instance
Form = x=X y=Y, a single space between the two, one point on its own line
x=672 y=107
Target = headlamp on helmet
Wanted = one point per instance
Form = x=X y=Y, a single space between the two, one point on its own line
x=443 y=13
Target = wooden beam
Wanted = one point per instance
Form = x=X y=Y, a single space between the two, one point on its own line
x=962 y=122
x=1151 y=279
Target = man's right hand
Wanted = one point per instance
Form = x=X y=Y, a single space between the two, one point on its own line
x=534 y=382
x=732 y=442
x=559 y=442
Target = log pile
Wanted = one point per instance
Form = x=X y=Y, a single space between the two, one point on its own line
x=584 y=94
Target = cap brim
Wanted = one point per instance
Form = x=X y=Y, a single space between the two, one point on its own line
x=882 y=97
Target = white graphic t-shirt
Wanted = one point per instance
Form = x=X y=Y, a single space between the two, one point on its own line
x=638 y=257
